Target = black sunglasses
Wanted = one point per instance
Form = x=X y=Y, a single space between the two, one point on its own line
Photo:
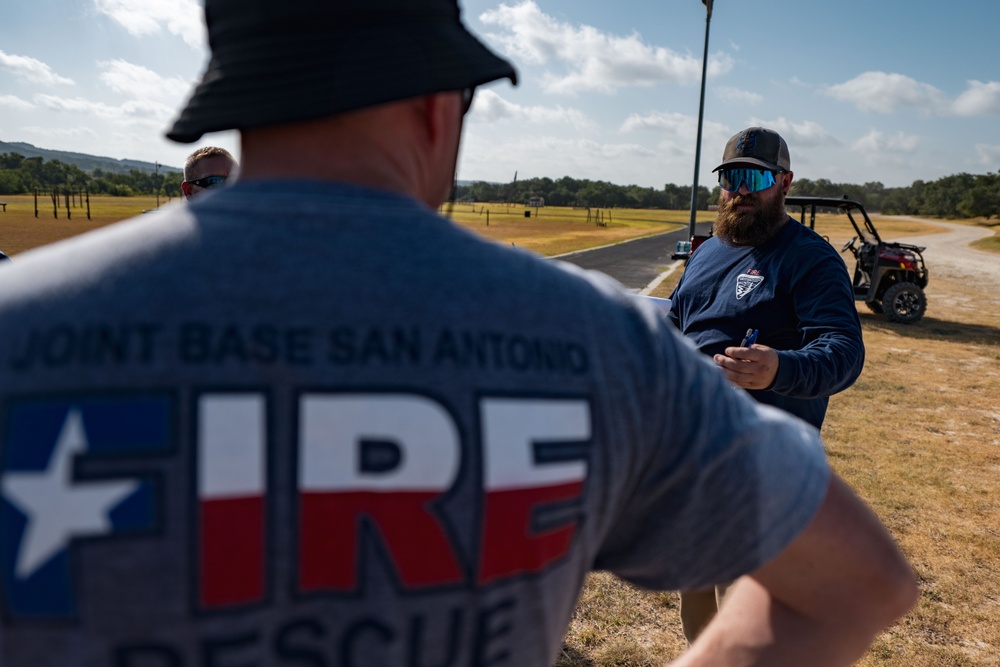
x=209 y=182
x=467 y=95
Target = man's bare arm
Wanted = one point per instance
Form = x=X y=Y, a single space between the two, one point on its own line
x=820 y=602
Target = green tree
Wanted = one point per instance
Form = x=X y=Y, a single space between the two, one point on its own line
x=983 y=198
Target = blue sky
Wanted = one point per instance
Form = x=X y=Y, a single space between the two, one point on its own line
x=891 y=91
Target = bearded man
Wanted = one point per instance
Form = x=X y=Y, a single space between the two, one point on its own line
x=764 y=272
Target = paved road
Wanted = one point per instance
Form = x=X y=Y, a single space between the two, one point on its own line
x=635 y=264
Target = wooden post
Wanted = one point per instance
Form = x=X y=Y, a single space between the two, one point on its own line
x=36 y=202
x=55 y=204
x=69 y=215
x=88 y=203
x=487 y=217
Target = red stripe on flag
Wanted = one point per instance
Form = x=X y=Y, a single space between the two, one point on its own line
x=509 y=546
x=413 y=537
x=232 y=551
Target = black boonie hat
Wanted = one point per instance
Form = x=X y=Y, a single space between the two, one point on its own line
x=276 y=62
x=758 y=146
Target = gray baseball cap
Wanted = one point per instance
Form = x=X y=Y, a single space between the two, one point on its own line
x=757 y=146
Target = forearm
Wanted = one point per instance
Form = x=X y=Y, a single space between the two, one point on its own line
x=822 y=368
x=753 y=629
x=821 y=601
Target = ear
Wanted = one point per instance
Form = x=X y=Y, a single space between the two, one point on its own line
x=440 y=113
x=440 y=120
x=786 y=181
x=186 y=188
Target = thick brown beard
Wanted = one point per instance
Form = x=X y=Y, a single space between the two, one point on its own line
x=749 y=228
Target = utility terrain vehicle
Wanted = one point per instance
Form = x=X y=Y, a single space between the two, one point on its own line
x=889 y=277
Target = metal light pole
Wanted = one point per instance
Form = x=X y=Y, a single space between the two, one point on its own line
x=701 y=114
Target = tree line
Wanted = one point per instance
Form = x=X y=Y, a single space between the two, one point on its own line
x=957 y=196
x=24 y=175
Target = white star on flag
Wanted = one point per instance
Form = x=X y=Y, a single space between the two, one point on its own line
x=59 y=509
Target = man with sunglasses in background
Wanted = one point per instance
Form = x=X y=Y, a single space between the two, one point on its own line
x=207 y=168
x=766 y=277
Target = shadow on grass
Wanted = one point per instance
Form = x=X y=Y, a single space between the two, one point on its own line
x=571 y=657
x=936 y=329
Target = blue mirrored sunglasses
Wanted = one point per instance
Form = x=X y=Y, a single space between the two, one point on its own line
x=209 y=182
x=755 y=179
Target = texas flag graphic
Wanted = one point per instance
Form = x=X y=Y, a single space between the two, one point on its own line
x=47 y=507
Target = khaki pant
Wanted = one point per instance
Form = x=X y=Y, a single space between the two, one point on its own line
x=698 y=607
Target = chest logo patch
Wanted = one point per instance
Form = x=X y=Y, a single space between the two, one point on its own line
x=746 y=283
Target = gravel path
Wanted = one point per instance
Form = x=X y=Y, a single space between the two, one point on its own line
x=948 y=254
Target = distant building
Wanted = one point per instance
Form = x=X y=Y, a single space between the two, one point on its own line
x=536 y=202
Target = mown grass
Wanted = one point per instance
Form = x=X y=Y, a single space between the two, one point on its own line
x=20 y=230
x=918 y=436
x=557 y=230
x=990 y=243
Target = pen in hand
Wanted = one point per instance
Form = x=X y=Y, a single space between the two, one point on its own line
x=750 y=338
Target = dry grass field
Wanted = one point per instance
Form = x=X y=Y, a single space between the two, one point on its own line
x=918 y=436
x=557 y=230
x=20 y=230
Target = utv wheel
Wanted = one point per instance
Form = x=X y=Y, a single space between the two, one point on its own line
x=904 y=303
x=875 y=306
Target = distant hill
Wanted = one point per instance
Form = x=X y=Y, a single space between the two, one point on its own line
x=87 y=163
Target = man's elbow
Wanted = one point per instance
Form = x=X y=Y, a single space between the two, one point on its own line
x=899 y=592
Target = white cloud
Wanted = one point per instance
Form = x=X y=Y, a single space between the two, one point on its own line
x=493 y=158
x=989 y=155
x=806 y=134
x=62 y=132
x=139 y=112
x=16 y=103
x=730 y=94
x=672 y=123
x=979 y=99
x=183 y=18
x=878 y=144
x=135 y=81
x=680 y=132
x=31 y=70
x=488 y=107
x=595 y=60
x=676 y=147
x=883 y=92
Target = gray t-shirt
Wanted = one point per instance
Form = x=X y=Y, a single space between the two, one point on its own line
x=316 y=424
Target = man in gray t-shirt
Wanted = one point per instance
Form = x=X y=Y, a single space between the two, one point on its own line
x=306 y=420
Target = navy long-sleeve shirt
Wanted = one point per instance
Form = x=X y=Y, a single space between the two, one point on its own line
x=796 y=291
